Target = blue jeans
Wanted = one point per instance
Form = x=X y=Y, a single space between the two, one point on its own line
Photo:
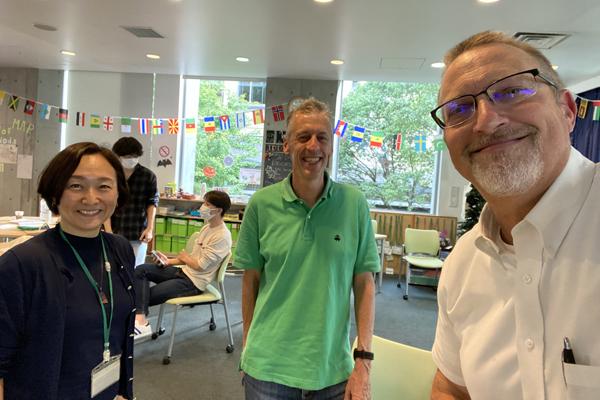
x=262 y=390
x=170 y=282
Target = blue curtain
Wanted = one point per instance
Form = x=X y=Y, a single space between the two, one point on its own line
x=586 y=134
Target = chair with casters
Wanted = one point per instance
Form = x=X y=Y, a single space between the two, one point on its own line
x=421 y=251
x=400 y=371
x=210 y=296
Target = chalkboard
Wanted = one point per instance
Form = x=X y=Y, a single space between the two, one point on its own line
x=277 y=165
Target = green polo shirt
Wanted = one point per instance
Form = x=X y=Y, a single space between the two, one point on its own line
x=307 y=259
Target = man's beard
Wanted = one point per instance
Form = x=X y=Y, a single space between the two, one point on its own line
x=513 y=171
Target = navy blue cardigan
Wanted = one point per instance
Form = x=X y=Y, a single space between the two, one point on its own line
x=33 y=280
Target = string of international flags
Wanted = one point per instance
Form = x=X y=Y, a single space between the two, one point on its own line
x=190 y=125
x=583 y=107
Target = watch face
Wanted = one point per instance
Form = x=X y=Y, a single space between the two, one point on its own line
x=294 y=102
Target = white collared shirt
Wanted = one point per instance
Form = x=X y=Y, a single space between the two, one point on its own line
x=504 y=310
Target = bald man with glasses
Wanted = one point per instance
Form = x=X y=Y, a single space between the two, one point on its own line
x=518 y=297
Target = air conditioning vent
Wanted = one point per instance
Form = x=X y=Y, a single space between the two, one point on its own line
x=541 y=41
x=142 y=32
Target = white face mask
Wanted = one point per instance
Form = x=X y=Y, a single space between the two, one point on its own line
x=129 y=163
x=207 y=213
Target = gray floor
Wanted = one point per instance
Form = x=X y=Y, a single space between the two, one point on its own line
x=201 y=369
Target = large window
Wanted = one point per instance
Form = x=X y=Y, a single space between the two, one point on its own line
x=391 y=178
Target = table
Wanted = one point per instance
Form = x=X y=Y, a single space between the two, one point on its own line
x=9 y=228
x=380 y=239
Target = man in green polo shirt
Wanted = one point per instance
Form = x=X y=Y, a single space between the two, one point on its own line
x=305 y=244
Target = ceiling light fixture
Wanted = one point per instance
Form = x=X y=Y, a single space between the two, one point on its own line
x=153 y=56
x=45 y=27
x=242 y=59
x=67 y=53
x=488 y=1
x=555 y=67
x=438 y=65
x=323 y=1
x=337 y=62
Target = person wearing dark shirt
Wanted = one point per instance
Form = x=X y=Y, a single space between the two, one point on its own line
x=136 y=220
x=66 y=296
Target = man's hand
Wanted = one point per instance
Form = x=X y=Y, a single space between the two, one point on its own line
x=359 y=383
x=185 y=258
x=146 y=235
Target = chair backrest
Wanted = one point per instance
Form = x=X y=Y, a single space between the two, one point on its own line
x=223 y=268
x=189 y=245
x=422 y=241
x=374 y=225
x=400 y=371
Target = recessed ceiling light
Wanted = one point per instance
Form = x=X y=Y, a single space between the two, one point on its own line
x=555 y=67
x=153 y=56
x=45 y=27
x=323 y=1
x=242 y=59
x=438 y=65
x=337 y=62
x=67 y=52
x=487 y=1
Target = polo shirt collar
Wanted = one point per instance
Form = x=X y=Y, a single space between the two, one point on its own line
x=290 y=196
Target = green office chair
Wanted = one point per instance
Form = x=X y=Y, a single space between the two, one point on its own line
x=421 y=252
x=400 y=371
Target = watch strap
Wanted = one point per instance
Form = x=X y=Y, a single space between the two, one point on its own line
x=366 y=355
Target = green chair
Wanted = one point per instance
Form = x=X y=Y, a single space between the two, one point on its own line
x=421 y=251
x=400 y=371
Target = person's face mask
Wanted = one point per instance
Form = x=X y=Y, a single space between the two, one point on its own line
x=208 y=213
x=129 y=163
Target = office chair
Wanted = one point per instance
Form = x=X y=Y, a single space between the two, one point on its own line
x=421 y=251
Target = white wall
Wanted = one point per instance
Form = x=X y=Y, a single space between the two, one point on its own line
x=452 y=190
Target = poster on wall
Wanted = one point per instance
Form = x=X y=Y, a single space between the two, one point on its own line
x=277 y=165
x=8 y=153
x=24 y=166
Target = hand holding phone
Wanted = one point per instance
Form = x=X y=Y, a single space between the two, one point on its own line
x=159 y=258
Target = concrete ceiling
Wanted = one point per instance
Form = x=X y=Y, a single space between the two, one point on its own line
x=391 y=40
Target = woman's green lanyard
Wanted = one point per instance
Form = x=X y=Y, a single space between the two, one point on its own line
x=105 y=325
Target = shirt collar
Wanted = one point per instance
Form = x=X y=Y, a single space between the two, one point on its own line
x=290 y=196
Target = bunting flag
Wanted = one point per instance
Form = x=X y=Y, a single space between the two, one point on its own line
x=583 y=104
x=224 y=122
x=95 y=121
x=125 y=125
x=438 y=144
x=278 y=114
x=420 y=143
x=14 y=103
x=340 y=128
x=190 y=125
x=43 y=111
x=358 y=134
x=108 y=123
x=2 y=93
x=398 y=141
x=29 y=107
x=173 y=126
x=63 y=115
x=258 y=116
x=80 y=118
x=240 y=120
x=596 y=114
x=143 y=126
x=157 y=126
x=376 y=139
x=209 y=124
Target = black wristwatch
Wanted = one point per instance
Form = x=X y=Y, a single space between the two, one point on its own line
x=366 y=355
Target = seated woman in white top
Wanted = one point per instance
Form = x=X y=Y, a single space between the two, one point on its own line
x=198 y=269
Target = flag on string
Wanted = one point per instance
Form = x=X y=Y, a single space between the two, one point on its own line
x=209 y=124
x=583 y=104
x=95 y=121
x=438 y=144
x=278 y=114
x=376 y=139
x=29 y=107
x=224 y=123
x=357 y=134
x=13 y=103
x=173 y=126
x=63 y=115
x=596 y=114
x=108 y=123
x=157 y=126
x=190 y=125
x=80 y=118
x=2 y=93
x=240 y=120
x=125 y=125
x=340 y=128
x=44 y=111
x=398 y=141
x=143 y=126
x=258 y=116
x=420 y=143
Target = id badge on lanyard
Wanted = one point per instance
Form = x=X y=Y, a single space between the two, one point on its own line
x=105 y=374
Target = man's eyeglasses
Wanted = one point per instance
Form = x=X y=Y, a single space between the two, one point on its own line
x=509 y=90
